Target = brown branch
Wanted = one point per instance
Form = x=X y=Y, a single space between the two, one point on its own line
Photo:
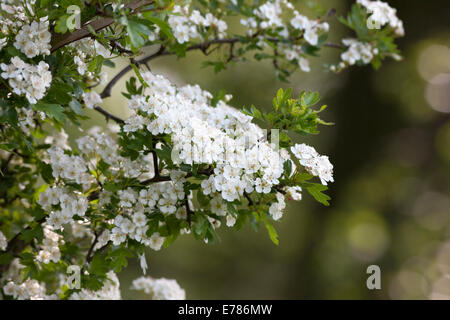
x=333 y=45
x=109 y=115
x=155 y=163
x=89 y=255
x=201 y=46
x=107 y=90
x=247 y=196
x=59 y=41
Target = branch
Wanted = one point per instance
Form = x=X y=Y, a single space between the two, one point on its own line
x=59 y=41
x=200 y=46
x=247 y=196
x=91 y=248
x=333 y=45
x=109 y=115
x=107 y=90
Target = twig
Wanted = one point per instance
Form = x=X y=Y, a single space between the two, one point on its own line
x=250 y=201
x=109 y=115
x=91 y=248
x=201 y=46
x=155 y=164
x=107 y=90
x=96 y=25
x=333 y=45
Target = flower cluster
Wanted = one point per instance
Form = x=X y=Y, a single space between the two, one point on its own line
x=91 y=99
x=50 y=246
x=34 y=39
x=193 y=25
x=159 y=289
x=98 y=143
x=73 y=168
x=3 y=242
x=269 y=15
x=3 y=42
x=26 y=120
x=382 y=14
x=85 y=50
x=357 y=51
x=68 y=204
x=14 y=15
x=276 y=209
x=30 y=289
x=109 y=291
x=311 y=28
x=26 y=79
x=313 y=162
x=134 y=228
x=221 y=136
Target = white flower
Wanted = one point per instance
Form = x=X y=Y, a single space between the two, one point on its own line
x=3 y=42
x=3 y=242
x=159 y=289
x=109 y=291
x=91 y=99
x=294 y=193
x=304 y=64
x=143 y=263
x=117 y=236
x=357 y=51
x=382 y=14
x=155 y=242
x=34 y=39
x=139 y=219
x=26 y=79
x=314 y=163
x=230 y=220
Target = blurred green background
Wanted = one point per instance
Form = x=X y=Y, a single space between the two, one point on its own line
x=390 y=146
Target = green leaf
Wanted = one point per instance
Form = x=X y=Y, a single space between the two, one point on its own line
x=99 y=265
x=287 y=167
x=30 y=234
x=46 y=172
x=316 y=191
x=136 y=29
x=119 y=258
x=163 y=26
x=202 y=199
x=272 y=232
x=61 y=24
x=6 y=258
x=54 y=111
x=310 y=98
x=75 y=105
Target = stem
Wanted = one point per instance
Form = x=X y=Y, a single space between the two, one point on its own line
x=109 y=115
x=200 y=46
x=97 y=25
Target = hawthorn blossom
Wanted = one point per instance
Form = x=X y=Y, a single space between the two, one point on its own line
x=26 y=79
x=91 y=99
x=34 y=39
x=159 y=289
